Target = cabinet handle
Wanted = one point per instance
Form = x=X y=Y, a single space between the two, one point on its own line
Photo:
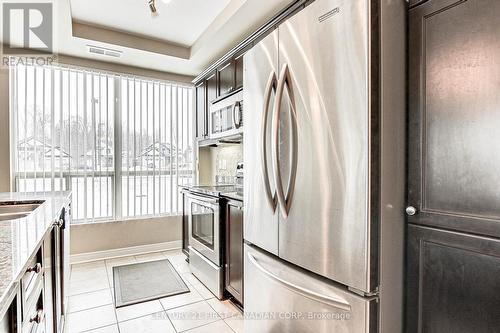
x=410 y=211
x=59 y=223
x=36 y=269
x=37 y=318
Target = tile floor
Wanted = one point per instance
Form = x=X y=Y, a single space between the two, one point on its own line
x=91 y=307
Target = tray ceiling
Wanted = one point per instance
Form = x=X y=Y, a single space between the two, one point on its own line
x=178 y=21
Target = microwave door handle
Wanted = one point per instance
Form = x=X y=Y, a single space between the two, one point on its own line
x=270 y=86
x=233 y=113
x=233 y=116
x=335 y=302
x=237 y=114
x=285 y=201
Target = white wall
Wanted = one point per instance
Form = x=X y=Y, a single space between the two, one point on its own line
x=94 y=237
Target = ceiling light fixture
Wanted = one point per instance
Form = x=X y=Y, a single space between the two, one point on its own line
x=166 y=1
x=152 y=7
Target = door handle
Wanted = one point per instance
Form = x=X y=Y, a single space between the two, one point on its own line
x=331 y=301
x=236 y=109
x=37 y=318
x=271 y=84
x=285 y=201
x=36 y=269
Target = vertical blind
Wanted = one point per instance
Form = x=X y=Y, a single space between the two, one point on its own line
x=122 y=144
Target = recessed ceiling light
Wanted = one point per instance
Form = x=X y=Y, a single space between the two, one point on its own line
x=166 y=1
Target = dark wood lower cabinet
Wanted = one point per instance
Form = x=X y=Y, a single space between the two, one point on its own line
x=453 y=282
x=50 y=289
x=60 y=271
x=185 y=225
x=234 y=249
x=39 y=301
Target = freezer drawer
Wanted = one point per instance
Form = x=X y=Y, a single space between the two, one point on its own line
x=207 y=272
x=281 y=298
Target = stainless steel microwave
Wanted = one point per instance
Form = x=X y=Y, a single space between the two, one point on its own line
x=226 y=117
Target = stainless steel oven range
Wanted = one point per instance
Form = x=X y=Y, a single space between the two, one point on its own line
x=205 y=235
x=204 y=226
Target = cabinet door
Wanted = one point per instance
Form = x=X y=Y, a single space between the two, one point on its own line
x=454 y=104
x=226 y=78
x=64 y=259
x=57 y=279
x=234 y=250
x=211 y=84
x=201 y=110
x=452 y=281
x=49 y=287
x=185 y=226
x=11 y=321
x=238 y=71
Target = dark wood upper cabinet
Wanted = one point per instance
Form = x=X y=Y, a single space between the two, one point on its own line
x=226 y=74
x=211 y=83
x=222 y=81
x=238 y=71
x=201 y=114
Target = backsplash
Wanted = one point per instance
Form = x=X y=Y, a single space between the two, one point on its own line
x=218 y=164
x=226 y=158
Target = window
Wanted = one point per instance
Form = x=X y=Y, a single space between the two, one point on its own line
x=122 y=144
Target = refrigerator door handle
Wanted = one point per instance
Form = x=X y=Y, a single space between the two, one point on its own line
x=335 y=302
x=285 y=202
x=270 y=86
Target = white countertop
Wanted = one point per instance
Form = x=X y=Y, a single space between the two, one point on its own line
x=19 y=238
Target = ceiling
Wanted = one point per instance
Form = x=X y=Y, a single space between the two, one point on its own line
x=179 y=21
x=185 y=38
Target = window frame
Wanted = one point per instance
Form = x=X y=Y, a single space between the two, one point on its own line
x=67 y=175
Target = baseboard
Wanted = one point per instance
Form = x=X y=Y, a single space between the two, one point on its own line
x=124 y=252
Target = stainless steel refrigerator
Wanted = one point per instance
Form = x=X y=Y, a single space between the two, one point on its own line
x=324 y=152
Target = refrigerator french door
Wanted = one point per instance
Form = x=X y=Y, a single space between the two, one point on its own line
x=308 y=147
x=308 y=151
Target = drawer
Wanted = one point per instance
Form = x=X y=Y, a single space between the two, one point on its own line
x=31 y=282
x=34 y=320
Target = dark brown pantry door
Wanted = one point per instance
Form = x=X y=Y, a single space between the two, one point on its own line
x=454 y=115
x=454 y=167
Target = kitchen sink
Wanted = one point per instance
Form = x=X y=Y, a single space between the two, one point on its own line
x=16 y=210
